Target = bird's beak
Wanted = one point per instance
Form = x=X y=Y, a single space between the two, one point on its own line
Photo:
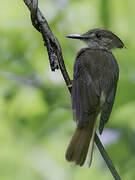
x=76 y=36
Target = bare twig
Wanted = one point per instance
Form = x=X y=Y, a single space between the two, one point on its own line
x=50 y=41
x=57 y=61
x=106 y=158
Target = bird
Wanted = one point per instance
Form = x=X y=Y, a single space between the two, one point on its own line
x=94 y=86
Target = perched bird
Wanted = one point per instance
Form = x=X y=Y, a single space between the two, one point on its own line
x=94 y=87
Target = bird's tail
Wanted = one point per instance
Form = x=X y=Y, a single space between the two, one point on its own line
x=80 y=148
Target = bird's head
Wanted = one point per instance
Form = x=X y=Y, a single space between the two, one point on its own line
x=100 y=38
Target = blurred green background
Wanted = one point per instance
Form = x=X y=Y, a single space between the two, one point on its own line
x=35 y=112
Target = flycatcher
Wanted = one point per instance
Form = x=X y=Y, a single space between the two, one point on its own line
x=94 y=87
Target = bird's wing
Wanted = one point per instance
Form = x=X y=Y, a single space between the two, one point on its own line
x=85 y=90
x=107 y=107
x=110 y=82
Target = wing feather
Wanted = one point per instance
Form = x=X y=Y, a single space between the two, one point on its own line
x=95 y=72
x=84 y=92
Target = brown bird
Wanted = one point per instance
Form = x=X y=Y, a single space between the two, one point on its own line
x=94 y=87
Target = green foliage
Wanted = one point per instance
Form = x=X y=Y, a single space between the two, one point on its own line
x=35 y=112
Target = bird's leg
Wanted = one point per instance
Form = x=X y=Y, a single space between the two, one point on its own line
x=70 y=85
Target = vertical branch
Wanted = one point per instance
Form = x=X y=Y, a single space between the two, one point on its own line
x=57 y=61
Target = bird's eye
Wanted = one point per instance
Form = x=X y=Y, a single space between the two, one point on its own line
x=98 y=36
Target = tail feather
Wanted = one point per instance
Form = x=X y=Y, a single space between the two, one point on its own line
x=81 y=144
x=88 y=160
